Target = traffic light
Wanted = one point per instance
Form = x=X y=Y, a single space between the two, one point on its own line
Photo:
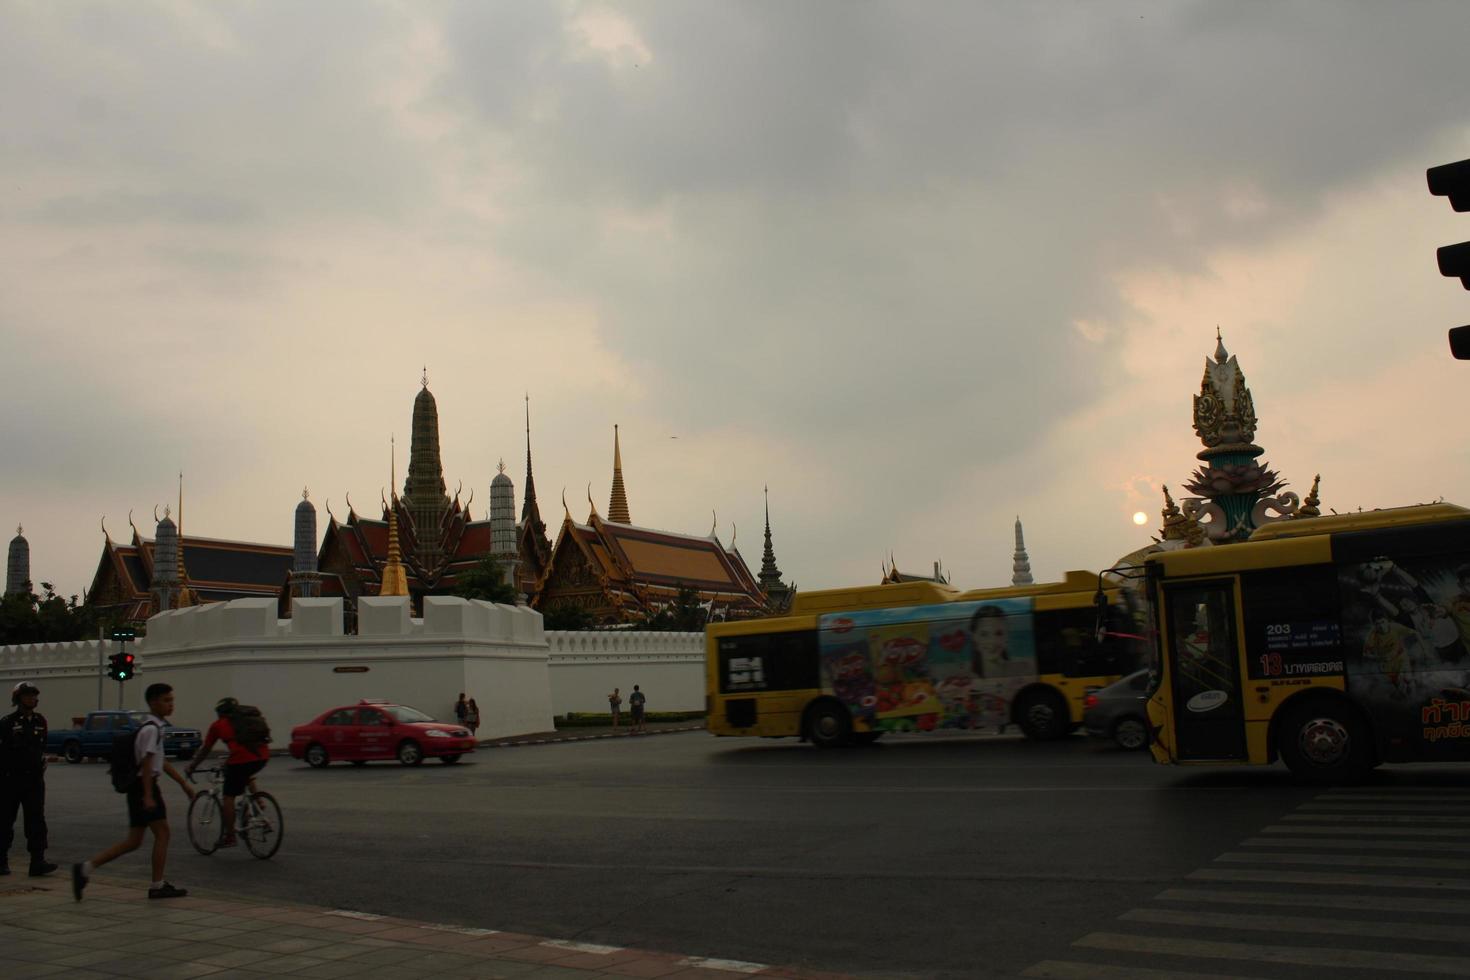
x=1452 y=180
x=121 y=666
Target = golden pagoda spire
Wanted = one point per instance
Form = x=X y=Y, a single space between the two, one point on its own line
x=1312 y=506
x=395 y=579
x=617 y=507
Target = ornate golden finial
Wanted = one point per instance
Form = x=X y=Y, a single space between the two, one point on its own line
x=103 y=522
x=424 y=381
x=19 y=530
x=500 y=468
x=330 y=515
x=351 y=511
x=305 y=494
x=166 y=511
x=734 y=530
x=1175 y=524
x=590 y=503
x=714 y=522
x=1311 y=507
x=564 y=503
x=395 y=579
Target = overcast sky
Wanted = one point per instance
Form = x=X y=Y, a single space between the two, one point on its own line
x=919 y=267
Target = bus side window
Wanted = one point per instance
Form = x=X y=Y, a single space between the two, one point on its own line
x=769 y=662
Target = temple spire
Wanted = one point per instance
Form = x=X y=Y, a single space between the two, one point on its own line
x=530 y=512
x=1021 y=562
x=395 y=579
x=778 y=593
x=18 y=564
x=424 y=493
x=617 y=508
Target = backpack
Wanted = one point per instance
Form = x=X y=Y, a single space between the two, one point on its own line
x=250 y=727
x=123 y=758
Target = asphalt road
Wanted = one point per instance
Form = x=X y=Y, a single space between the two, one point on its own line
x=977 y=856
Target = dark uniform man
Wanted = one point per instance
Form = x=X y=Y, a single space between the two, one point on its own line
x=23 y=778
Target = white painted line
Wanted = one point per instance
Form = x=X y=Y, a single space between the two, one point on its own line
x=1326 y=900
x=1064 y=970
x=577 y=947
x=1357 y=797
x=460 y=930
x=1368 y=807
x=1306 y=828
x=1278 y=877
x=1378 y=818
x=350 y=914
x=729 y=966
x=1347 y=860
x=1318 y=956
x=1299 y=924
x=1361 y=844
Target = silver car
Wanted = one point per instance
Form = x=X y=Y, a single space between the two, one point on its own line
x=1119 y=711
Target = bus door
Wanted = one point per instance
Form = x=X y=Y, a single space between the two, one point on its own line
x=1209 y=711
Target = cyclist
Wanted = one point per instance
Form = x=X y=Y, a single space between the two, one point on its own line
x=241 y=766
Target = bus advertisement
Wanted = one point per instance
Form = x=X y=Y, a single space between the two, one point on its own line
x=850 y=665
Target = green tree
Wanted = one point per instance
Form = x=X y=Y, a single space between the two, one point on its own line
x=46 y=618
x=567 y=616
x=486 y=580
x=683 y=615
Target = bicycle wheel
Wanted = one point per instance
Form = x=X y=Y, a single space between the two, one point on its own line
x=206 y=823
x=262 y=825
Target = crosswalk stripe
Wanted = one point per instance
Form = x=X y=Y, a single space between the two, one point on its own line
x=1347 y=860
x=1306 y=828
x=1400 y=807
x=1298 y=955
x=1395 y=798
x=1301 y=924
x=1277 y=876
x=1065 y=970
x=1362 y=843
x=1296 y=900
x=1386 y=818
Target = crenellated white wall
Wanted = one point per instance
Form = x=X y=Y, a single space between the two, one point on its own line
x=586 y=666
x=293 y=669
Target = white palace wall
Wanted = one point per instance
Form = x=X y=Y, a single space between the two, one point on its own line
x=294 y=669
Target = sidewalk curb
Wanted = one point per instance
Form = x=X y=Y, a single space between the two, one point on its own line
x=514 y=742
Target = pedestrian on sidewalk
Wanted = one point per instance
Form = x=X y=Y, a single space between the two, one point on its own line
x=472 y=717
x=461 y=709
x=146 y=809
x=23 y=778
x=615 y=706
x=636 y=701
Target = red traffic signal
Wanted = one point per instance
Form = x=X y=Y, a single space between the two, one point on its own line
x=121 y=666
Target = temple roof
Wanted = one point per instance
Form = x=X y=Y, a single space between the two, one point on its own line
x=218 y=569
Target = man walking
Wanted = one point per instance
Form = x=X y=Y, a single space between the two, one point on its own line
x=636 y=701
x=23 y=778
x=146 y=810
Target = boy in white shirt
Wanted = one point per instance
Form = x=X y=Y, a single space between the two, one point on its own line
x=146 y=810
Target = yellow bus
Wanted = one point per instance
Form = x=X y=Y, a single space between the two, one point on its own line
x=1333 y=643
x=847 y=665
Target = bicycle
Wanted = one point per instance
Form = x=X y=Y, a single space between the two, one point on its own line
x=258 y=819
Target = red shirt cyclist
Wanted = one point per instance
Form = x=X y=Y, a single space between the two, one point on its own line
x=244 y=761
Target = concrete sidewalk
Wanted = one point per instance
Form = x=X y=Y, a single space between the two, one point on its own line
x=116 y=931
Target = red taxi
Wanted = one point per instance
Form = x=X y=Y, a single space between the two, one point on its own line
x=374 y=729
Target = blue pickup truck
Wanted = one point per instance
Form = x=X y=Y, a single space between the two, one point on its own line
x=99 y=728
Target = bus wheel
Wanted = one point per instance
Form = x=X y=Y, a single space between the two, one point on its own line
x=829 y=725
x=1042 y=715
x=1324 y=743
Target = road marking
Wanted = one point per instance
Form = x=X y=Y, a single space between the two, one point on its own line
x=1365 y=829
x=1299 y=955
x=1361 y=843
x=729 y=966
x=1276 y=877
x=461 y=930
x=1377 y=818
x=350 y=914
x=1064 y=970
x=1320 y=900
x=1438 y=798
x=1296 y=923
x=577 y=947
x=1347 y=860
x=1385 y=807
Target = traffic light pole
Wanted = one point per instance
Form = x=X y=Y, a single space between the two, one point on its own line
x=101 y=658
